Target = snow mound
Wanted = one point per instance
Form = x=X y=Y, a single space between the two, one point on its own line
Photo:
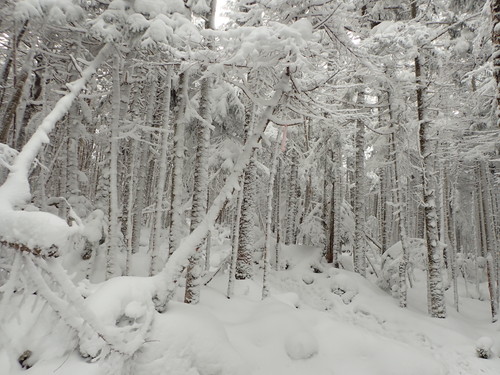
x=344 y=286
x=301 y=345
x=188 y=340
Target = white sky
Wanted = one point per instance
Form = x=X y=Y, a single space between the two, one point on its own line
x=219 y=18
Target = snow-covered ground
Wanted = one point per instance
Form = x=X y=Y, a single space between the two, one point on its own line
x=318 y=321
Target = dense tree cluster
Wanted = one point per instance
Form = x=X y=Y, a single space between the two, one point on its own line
x=367 y=128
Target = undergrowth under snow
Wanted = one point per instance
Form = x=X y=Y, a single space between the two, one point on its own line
x=318 y=320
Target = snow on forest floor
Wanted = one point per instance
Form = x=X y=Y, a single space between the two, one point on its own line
x=318 y=320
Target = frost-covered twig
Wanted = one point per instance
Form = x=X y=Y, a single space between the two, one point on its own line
x=61 y=307
x=8 y=288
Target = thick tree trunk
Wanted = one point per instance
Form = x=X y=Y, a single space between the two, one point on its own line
x=437 y=307
x=244 y=263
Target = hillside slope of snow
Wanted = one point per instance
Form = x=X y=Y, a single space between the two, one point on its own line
x=318 y=320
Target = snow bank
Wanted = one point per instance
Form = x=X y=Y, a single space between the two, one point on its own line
x=301 y=329
x=188 y=340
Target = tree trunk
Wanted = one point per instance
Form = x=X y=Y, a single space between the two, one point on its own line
x=141 y=181
x=112 y=266
x=156 y=258
x=495 y=38
x=359 y=256
x=200 y=189
x=11 y=107
x=234 y=243
x=244 y=269
x=401 y=219
x=451 y=202
x=437 y=307
x=72 y=187
x=9 y=61
x=269 y=217
x=488 y=236
x=177 y=221
x=293 y=197
x=277 y=215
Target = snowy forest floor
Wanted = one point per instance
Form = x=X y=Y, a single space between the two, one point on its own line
x=318 y=320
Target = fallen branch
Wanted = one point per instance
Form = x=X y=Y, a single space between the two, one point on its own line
x=51 y=252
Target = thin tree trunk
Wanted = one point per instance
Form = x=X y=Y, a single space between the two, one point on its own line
x=384 y=188
x=495 y=38
x=200 y=190
x=401 y=210
x=130 y=193
x=269 y=217
x=140 y=183
x=488 y=237
x=177 y=221
x=277 y=220
x=72 y=187
x=156 y=259
x=112 y=266
x=9 y=61
x=11 y=107
x=359 y=197
x=234 y=244
x=338 y=200
x=291 y=222
x=452 y=235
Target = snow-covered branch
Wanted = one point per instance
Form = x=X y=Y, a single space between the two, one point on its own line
x=16 y=191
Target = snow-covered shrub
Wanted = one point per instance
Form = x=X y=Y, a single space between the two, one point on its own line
x=389 y=276
x=483 y=347
x=312 y=227
x=343 y=286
